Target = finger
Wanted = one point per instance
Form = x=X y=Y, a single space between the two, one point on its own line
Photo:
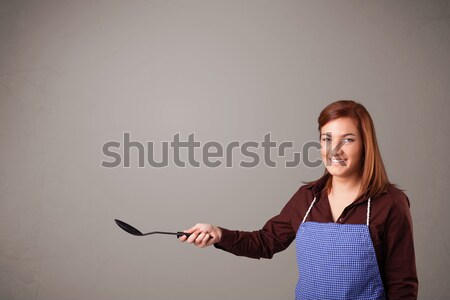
x=205 y=240
x=199 y=238
x=183 y=238
x=192 y=237
x=212 y=240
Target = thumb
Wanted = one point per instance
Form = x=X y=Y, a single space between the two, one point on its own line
x=192 y=229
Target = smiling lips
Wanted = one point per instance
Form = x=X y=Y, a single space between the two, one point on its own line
x=337 y=161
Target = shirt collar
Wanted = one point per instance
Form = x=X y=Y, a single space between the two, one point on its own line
x=317 y=187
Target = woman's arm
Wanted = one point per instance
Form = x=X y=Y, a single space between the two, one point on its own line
x=276 y=235
x=400 y=273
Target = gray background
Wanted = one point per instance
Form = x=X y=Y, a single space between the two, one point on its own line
x=76 y=74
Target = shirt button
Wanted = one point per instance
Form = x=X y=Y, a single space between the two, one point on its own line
x=341 y=219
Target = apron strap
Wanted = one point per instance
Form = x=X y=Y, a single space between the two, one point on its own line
x=312 y=204
x=309 y=209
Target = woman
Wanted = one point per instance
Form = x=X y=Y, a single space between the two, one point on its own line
x=352 y=227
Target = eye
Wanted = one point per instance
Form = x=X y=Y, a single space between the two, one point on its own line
x=326 y=139
x=345 y=141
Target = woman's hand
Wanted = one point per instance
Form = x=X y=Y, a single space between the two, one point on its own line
x=202 y=235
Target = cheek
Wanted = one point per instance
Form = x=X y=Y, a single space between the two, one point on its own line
x=355 y=152
x=323 y=151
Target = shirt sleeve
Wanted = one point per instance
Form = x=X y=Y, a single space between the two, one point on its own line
x=276 y=235
x=400 y=266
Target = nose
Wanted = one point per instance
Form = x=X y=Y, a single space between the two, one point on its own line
x=336 y=149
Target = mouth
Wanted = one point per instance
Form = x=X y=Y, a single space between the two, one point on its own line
x=337 y=161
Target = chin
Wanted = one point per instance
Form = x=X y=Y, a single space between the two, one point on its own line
x=338 y=171
x=342 y=172
x=338 y=174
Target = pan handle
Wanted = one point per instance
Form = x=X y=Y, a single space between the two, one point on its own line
x=180 y=234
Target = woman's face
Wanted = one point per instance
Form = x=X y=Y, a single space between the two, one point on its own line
x=342 y=146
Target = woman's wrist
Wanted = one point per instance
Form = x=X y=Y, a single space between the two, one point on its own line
x=218 y=233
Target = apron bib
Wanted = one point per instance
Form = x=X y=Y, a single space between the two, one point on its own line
x=337 y=261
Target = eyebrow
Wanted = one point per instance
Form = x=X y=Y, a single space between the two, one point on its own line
x=344 y=135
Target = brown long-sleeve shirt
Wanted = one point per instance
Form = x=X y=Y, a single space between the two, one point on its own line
x=390 y=228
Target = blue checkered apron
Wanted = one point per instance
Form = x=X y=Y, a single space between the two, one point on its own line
x=337 y=261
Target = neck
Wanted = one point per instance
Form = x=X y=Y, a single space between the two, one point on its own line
x=345 y=186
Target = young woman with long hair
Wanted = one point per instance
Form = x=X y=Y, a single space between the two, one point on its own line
x=352 y=227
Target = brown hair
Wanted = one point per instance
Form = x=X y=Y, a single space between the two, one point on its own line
x=374 y=179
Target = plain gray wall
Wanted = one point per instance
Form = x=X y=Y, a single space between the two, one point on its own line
x=76 y=74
